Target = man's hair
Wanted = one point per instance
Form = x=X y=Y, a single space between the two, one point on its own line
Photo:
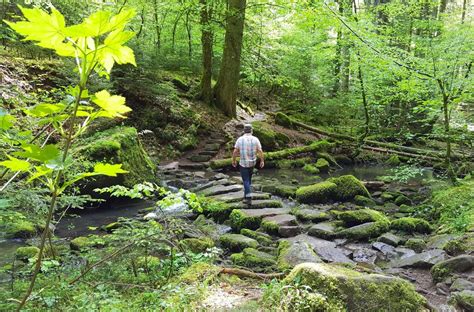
x=247 y=128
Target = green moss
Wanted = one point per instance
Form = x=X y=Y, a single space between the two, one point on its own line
x=217 y=210
x=310 y=214
x=283 y=120
x=311 y=169
x=351 y=218
x=112 y=226
x=237 y=242
x=317 y=193
x=364 y=201
x=456 y=246
x=357 y=291
x=251 y=257
x=417 y=244
x=270 y=227
x=20 y=229
x=119 y=145
x=411 y=225
x=348 y=187
x=267 y=136
x=148 y=262
x=365 y=231
x=82 y=242
x=394 y=160
x=200 y=272
x=402 y=200
x=285 y=191
x=406 y=209
x=197 y=245
x=322 y=165
x=27 y=252
x=262 y=238
x=239 y=220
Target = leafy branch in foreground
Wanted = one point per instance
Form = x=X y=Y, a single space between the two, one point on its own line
x=96 y=45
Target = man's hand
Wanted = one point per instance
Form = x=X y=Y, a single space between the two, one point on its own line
x=234 y=163
x=262 y=163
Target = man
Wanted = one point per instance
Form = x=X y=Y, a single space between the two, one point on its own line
x=247 y=147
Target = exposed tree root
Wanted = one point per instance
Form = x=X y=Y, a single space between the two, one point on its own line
x=250 y=274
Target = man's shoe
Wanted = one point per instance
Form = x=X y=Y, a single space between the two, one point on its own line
x=248 y=201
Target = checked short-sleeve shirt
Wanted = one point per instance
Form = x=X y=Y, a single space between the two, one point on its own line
x=248 y=146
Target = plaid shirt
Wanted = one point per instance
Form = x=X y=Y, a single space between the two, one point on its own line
x=248 y=145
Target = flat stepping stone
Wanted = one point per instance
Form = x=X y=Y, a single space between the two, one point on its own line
x=193 y=166
x=424 y=260
x=212 y=146
x=256 y=204
x=307 y=214
x=326 y=250
x=208 y=153
x=238 y=196
x=281 y=220
x=237 y=242
x=221 y=189
x=323 y=230
x=289 y=231
x=200 y=158
x=211 y=184
x=252 y=218
x=294 y=253
x=265 y=212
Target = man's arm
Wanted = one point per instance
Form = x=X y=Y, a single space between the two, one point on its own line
x=262 y=158
x=234 y=156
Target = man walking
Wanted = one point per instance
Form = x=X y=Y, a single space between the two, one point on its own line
x=247 y=147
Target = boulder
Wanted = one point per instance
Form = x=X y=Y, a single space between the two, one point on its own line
x=237 y=242
x=390 y=239
x=326 y=250
x=283 y=120
x=356 y=217
x=291 y=254
x=221 y=189
x=464 y=299
x=364 y=201
x=461 y=284
x=445 y=268
x=317 y=193
x=82 y=243
x=365 y=231
x=322 y=165
x=251 y=257
x=411 y=225
x=417 y=244
x=197 y=245
x=289 y=230
x=402 y=200
x=27 y=252
x=357 y=291
x=19 y=228
x=252 y=218
x=348 y=187
x=439 y=241
x=424 y=260
x=323 y=230
x=364 y=255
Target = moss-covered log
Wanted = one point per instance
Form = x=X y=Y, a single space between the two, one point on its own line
x=293 y=152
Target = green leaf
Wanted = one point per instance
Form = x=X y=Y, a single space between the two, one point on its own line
x=108 y=169
x=47 y=154
x=45 y=109
x=46 y=29
x=40 y=172
x=6 y=120
x=112 y=105
x=15 y=164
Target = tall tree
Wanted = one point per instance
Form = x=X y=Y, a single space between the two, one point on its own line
x=207 y=38
x=225 y=91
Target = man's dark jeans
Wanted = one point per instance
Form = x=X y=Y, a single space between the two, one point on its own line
x=246 y=174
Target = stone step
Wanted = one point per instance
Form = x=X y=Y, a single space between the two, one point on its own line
x=211 y=184
x=325 y=249
x=212 y=146
x=221 y=189
x=209 y=153
x=238 y=196
x=284 y=225
x=194 y=166
x=200 y=158
x=258 y=204
x=323 y=230
x=252 y=218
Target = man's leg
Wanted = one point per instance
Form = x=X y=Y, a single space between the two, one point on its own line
x=250 y=179
x=244 y=173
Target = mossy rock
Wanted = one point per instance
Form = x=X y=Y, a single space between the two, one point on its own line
x=262 y=238
x=317 y=193
x=348 y=187
x=356 y=217
x=217 y=210
x=197 y=245
x=364 y=201
x=402 y=200
x=239 y=220
x=251 y=258
x=406 y=209
x=292 y=163
x=463 y=299
x=309 y=168
x=322 y=165
x=119 y=145
x=25 y=253
x=283 y=120
x=237 y=242
x=267 y=136
x=457 y=246
x=291 y=254
x=387 y=196
x=20 y=229
x=365 y=231
x=411 y=225
x=459 y=264
x=357 y=291
x=200 y=272
x=112 y=226
x=286 y=191
x=82 y=243
x=270 y=227
x=417 y=244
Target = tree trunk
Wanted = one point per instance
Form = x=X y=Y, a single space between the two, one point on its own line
x=225 y=91
x=463 y=14
x=207 y=38
x=157 y=25
x=189 y=33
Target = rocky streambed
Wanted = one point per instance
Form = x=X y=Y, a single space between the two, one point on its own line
x=368 y=226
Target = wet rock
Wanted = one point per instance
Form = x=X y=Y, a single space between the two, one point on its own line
x=350 y=288
x=461 y=284
x=200 y=158
x=326 y=250
x=291 y=254
x=390 y=239
x=364 y=255
x=170 y=167
x=464 y=299
x=260 y=203
x=323 y=230
x=221 y=189
x=237 y=242
x=424 y=260
x=446 y=268
x=238 y=196
x=289 y=231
